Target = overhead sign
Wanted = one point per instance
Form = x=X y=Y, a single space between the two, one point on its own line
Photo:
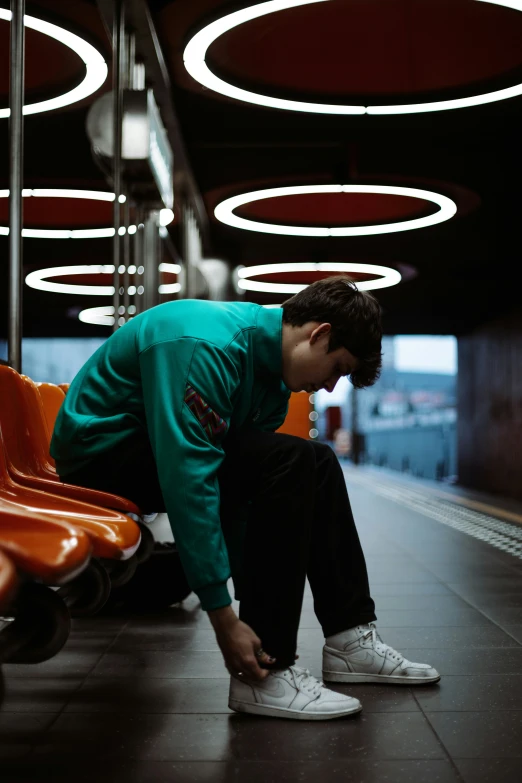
x=148 y=157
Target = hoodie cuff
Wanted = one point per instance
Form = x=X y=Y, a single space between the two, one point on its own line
x=214 y=596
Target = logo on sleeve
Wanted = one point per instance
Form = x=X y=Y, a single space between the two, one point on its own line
x=211 y=421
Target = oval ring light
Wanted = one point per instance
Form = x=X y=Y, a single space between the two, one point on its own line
x=95 y=65
x=37 y=279
x=196 y=49
x=166 y=216
x=224 y=211
x=388 y=276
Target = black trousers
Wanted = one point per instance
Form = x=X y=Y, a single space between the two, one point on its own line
x=300 y=524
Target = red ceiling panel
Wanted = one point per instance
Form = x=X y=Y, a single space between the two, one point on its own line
x=356 y=47
x=61 y=212
x=336 y=209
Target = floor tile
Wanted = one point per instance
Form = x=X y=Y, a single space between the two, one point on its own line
x=19 y=731
x=479 y=734
x=153 y=663
x=45 y=694
x=396 y=589
x=223 y=737
x=503 y=616
x=238 y=771
x=403 y=618
x=438 y=603
x=379 y=698
x=490 y=770
x=164 y=637
x=453 y=637
x=149 y=695
x=515 y=631
x=487 y=586
x=473 y=693
x=70 y=663
x=504 y=601
x=466 y=662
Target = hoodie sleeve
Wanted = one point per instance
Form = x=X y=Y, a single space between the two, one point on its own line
x=188 y=386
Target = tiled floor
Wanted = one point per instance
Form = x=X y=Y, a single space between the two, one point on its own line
x=144 y=698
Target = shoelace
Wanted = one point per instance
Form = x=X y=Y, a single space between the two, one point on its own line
x=382 y=648
x=306 y=681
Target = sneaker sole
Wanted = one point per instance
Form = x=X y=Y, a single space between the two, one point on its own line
x=382 y=678
x=282 y=712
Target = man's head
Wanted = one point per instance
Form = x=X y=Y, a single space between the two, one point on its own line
x=331 y=329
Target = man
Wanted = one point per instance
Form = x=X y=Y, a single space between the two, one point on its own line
x=178 y=410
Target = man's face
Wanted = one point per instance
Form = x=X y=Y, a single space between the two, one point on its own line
x=313 y=368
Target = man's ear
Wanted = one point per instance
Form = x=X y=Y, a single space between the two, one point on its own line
x=320 y=331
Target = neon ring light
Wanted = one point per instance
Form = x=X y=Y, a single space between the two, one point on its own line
x=37 y=279
x=103 y=316
x=165 y=215
x=225 y=211
x=388 y=276
x=196 y=49
x=96 y=67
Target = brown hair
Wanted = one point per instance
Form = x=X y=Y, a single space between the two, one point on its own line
x=355 y=317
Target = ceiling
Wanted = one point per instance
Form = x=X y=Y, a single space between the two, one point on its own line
x=456 y=274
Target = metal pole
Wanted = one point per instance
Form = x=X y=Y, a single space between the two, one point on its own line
x=139 y=258
x=151 y=242
x=16 y=163
x=126 y=257
x=117 y=116
x=356 y=440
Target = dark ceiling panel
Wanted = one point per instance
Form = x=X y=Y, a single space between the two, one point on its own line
x=366 y=47
x=472 y=155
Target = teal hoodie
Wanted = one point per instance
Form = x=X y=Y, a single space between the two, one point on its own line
x=187 y=372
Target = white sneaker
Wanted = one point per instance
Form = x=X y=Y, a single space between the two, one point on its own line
x=359 y=655
x=290 y=693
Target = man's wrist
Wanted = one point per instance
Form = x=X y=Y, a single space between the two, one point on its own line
x=220 y=618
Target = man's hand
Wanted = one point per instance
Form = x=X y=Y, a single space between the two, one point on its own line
x=239 y=644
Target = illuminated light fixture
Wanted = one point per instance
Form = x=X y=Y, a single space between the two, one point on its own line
x=196 y=49
x=170 y=288
x=37 y=280
x=166 y=216
x=95 y=65
x=388 y=276
x=224 y=211
x=104 y=316
x=75 y=233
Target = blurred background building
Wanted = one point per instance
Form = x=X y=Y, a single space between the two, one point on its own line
x=407 y=421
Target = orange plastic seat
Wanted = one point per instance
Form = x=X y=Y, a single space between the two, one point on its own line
x=64 y=387
x=113 y=535
x=50 y=550
x=26 y=444
x=8 y=581
x=52 y=397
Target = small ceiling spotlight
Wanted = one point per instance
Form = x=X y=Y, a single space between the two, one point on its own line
x=224 y=211
x=387 y=276
x=196 y=50
x=166 y=216
x=76 y=233
x=95 y=65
